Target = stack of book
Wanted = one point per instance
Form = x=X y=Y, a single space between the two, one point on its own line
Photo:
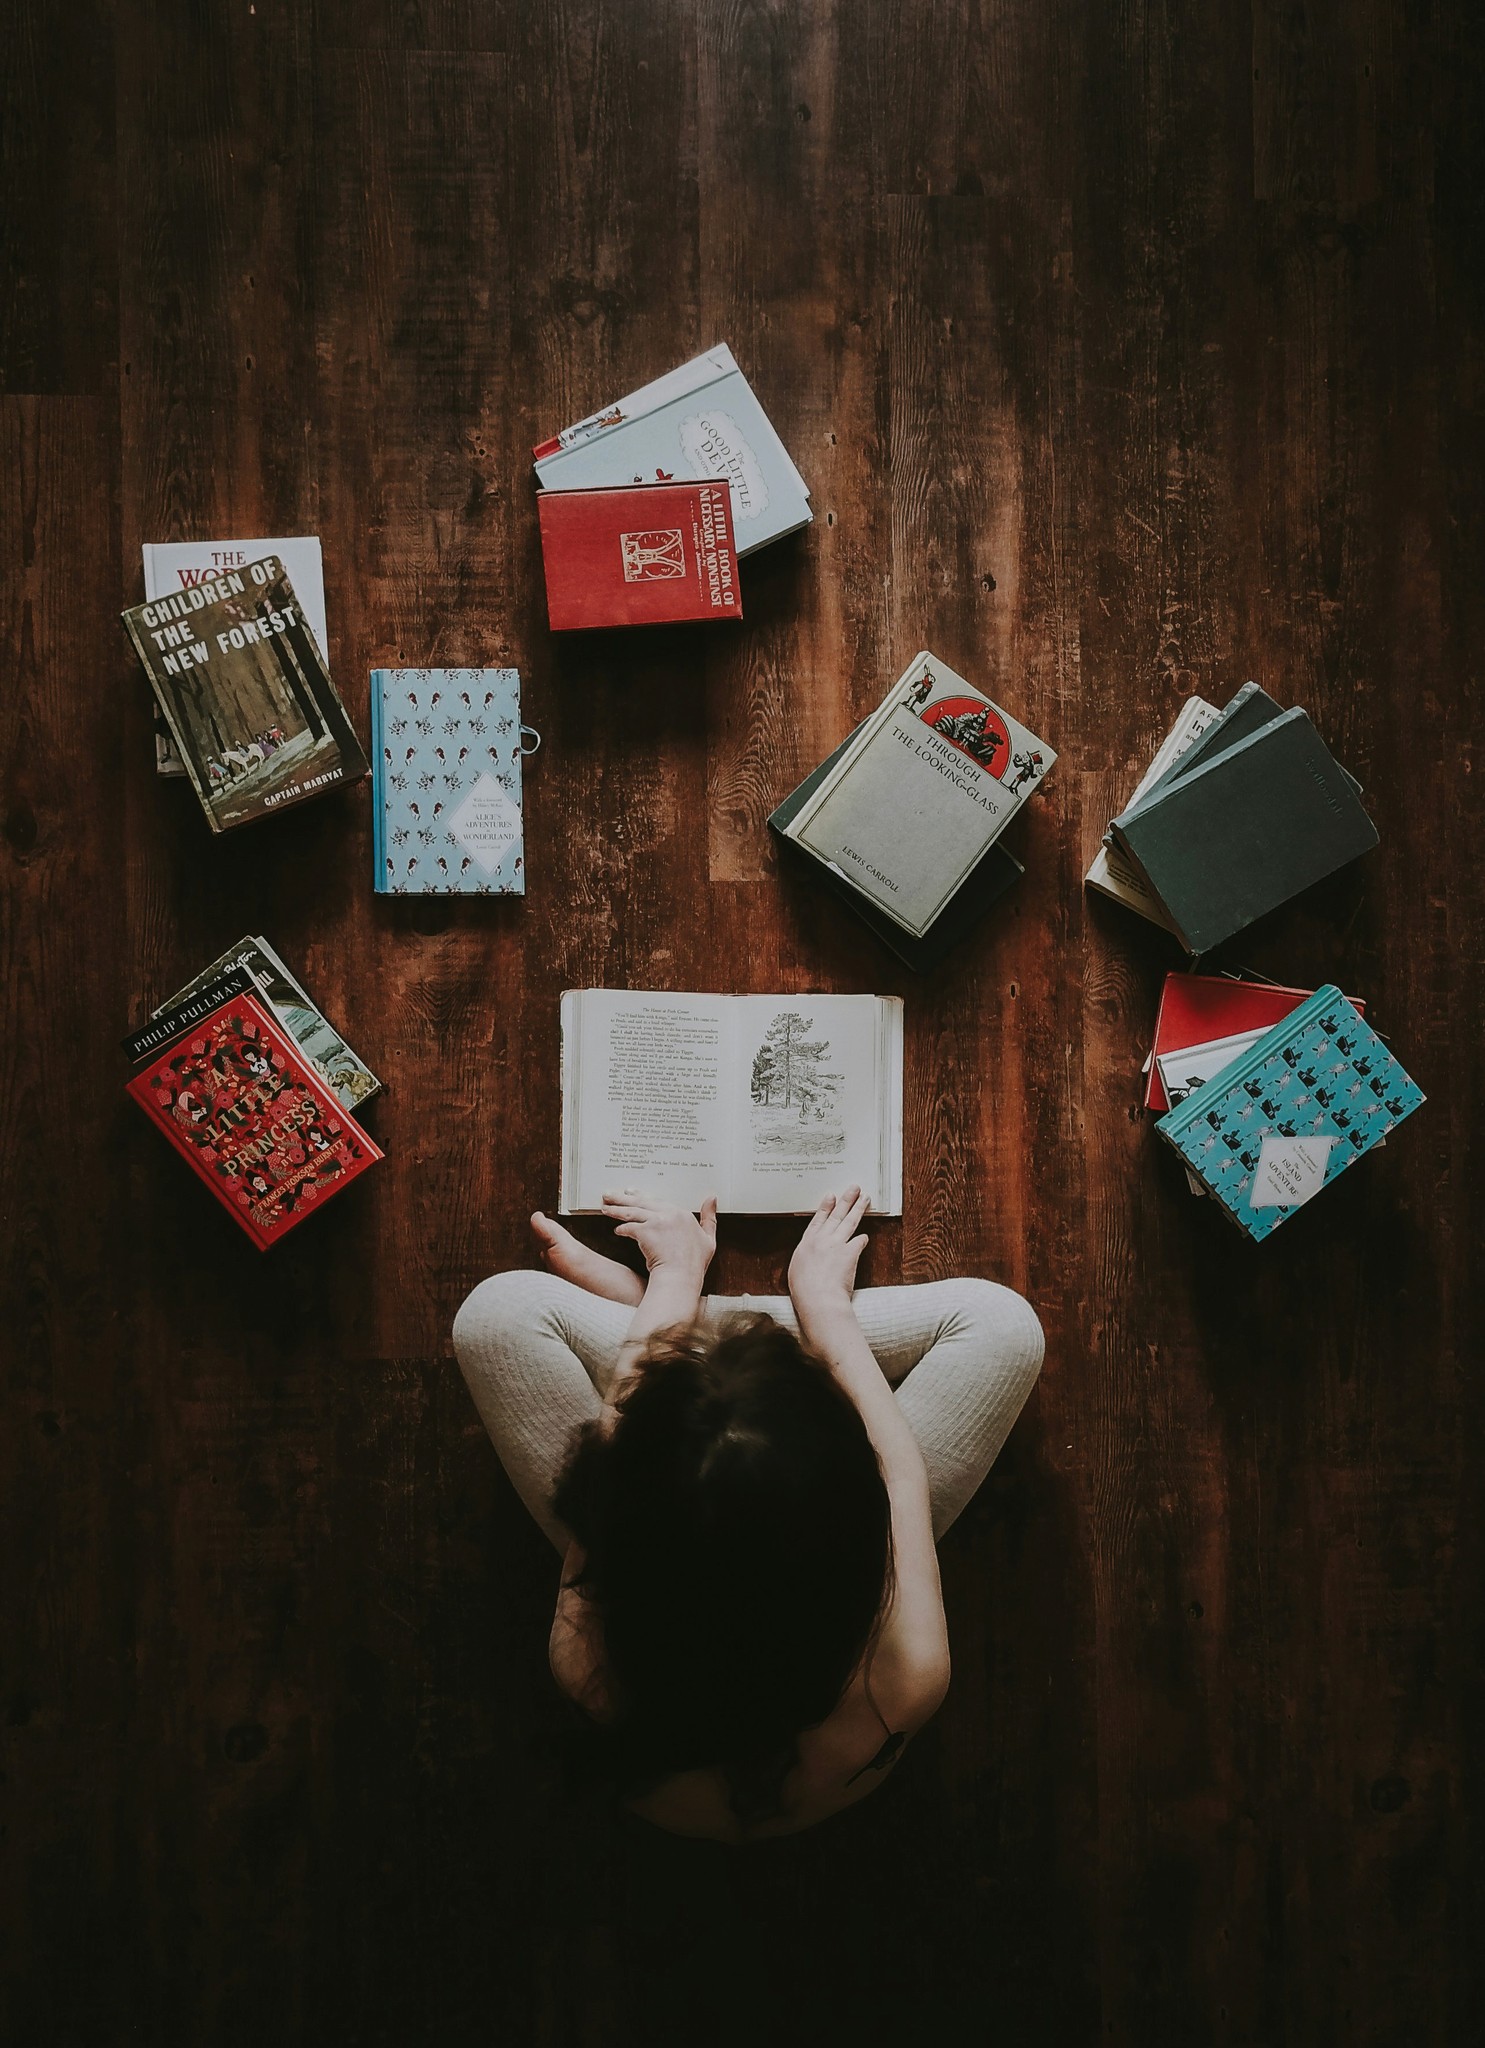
x=231 y=1088
x=647 y=506
x=1264 y=1116
x=342 y=1070
x=1240 y=811
x=904 y=819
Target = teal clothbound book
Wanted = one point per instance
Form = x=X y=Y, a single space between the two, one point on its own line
x=446 y=770
x=1292 y=1112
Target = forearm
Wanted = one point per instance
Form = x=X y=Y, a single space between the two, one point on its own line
x=913 y=1644
x=672 y=1295
x=835 y=1336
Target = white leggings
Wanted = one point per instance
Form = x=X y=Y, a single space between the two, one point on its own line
x=538 y=1351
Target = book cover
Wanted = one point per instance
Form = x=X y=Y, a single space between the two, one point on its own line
x=447 y=783
x=1197 y=1008
x=996 y=872
x=640 y=555
x=1246 y=714
x=700 y=421
x=338 y=1067
x=930 y=782
x=1249 y=709
x=252 y=1119
x=246 y=694
x=176 y=564
x=187 y=1009
x=1246 y=831
x=1316 y=1092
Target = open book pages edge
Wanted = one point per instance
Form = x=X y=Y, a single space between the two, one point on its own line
x=773 y=1126
x=1110 y=873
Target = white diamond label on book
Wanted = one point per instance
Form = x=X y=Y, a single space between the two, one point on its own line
x=657 y=556
x=1289 y=1171
x=486 y=824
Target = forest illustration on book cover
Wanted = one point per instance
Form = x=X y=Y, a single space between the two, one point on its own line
x=247 y=696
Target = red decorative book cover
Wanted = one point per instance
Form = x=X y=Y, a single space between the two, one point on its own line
x=640 y=555
x=235 y=1097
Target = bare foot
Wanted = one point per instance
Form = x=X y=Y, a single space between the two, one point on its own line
x=570 y=1260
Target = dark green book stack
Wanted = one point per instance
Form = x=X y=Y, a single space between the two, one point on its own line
x=1256 y=811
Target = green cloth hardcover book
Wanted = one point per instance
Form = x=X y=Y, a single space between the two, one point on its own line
x=1242 y=833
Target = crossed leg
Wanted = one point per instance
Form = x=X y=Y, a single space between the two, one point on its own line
x=537 y=1350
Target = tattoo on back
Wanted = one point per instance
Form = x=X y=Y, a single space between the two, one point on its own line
x=885 y=1757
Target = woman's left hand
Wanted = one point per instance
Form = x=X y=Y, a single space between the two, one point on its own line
x=669 y=1237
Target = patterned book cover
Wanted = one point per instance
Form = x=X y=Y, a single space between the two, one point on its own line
x=446 y=747
x=700 y=421
x=1314 y=1094
x=246 y=693
x=252 y=1118
x=319 y=1041
x=638 y=555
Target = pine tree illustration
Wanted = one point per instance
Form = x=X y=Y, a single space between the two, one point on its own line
x=795 y=1059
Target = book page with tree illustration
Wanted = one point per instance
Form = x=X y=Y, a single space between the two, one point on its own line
x=643 y=1100
x=816 y=1101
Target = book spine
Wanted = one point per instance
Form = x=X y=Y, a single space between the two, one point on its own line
x=378 y=787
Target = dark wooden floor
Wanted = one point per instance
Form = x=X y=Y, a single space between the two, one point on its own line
x=1130 y=351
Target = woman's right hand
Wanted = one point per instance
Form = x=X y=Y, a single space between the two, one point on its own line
x=667 y=1236
x=822 y=1272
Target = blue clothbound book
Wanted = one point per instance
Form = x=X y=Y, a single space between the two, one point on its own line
x=446 y=769
x=1295 y=1110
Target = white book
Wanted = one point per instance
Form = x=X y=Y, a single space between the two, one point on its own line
x=1110 y=873
x=1189 y=1067
x=768 y=1102
x=699 y=421
x=172 y=564
x=929 y=782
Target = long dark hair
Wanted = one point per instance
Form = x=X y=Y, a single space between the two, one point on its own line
x=738 y=1545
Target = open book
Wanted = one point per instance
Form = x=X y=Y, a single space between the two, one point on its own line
x=767 y=1102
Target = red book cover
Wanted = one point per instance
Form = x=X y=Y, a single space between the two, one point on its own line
x=237 y=1100
x=1196 y=1008
x=639 y=555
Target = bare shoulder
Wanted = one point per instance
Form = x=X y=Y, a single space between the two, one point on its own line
x=840 y=1763
x=885 y=1705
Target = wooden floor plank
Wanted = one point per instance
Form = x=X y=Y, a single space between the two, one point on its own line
x=1128 y=353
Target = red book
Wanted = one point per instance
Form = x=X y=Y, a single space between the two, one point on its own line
x=1196 y=1008
x=237 y=1100
x=639 y=555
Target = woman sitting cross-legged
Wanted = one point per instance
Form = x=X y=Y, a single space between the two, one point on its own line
x=746 y=1495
